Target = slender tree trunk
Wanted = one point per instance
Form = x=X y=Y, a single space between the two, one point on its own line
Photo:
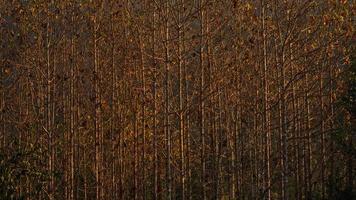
x=166 y=94
x=255 y=150
x=308 y=162
x=72 y=114
x=2 y=112
x=136 y=179
x=113 y=111
x=202 y=104
x=48 y=106
x=350 y=165
x=181 y=112
x=265 y=104
x=280 y=61
x=295 y=131
x=233 y=159
x=155 y=136
x=143 y=118
x=187 y=123
x=97 y=118
x=322 y=134
x=332 y=143
x=219 y=179
x=65 y=123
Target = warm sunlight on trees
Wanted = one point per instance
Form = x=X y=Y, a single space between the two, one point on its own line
x=177 y=99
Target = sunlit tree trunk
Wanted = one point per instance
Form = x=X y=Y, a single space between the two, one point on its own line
x=201 y=98
x=114 y=112
x=295 y=129
x=180 y=101
x=308 y=154
x=135 y=170
x=155 y=135
x=166 y=103
x=72 y=114
x=266 y=131
x=187 y=121
x=97 y=115
x=48 y=119
x=143 y=117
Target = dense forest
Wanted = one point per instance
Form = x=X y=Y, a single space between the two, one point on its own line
x=177 y=99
